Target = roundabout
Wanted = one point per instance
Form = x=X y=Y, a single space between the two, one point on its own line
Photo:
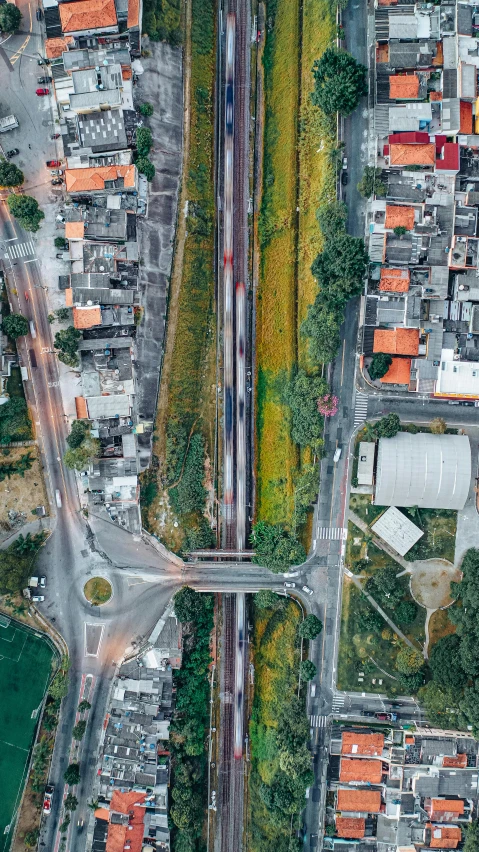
x=97 y=591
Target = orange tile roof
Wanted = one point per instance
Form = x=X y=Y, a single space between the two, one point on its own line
x=438 y=59
x=361 y=770
x=455 y=806
x=118 y=835
x=465 y=117
x=54 y=47
x=69 y=297
x=87 y=317
x=81 y=407
x=358 y=743
x=410 y=740
x=74 y=230
x=102 y=813
x=399 y=372
x=359 y=801
x=84 y=180
x=133 y=13
x=396 y=341
x=397 y=216
x=435 y=96
x=444 y=836
x=382 y=53
x=87 y=15
x=394 y=280
x=460 y=761
x=126 y=73
x=404 y=86
x=410 y=154
x=351 y=827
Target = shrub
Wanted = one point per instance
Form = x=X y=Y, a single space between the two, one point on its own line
x=146 y=109
x=379 y=365
x=25 y=208
x=15 y=325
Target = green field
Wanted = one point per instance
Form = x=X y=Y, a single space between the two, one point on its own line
x=25 y=667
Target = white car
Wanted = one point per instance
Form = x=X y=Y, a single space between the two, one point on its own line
x=307 y=590
x=58 y=498
x=289 y=585
x=38 y=598
x=345 y=162
x=47 y=798
x=337 y=454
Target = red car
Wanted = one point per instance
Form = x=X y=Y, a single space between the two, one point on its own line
x=43 y=91
x=47 y=798
x=53 y=164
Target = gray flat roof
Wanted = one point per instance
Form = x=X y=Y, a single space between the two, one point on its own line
x=429 y=471
x=397 y=530
x=366 y=462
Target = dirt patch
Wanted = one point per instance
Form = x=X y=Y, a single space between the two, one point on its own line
x=21 y=493
x=440 y=625
x=430 y=582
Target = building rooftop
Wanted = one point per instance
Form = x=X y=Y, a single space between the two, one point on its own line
x=397 y=341
x=457 y=378
x=394 y=280
x=361 y=770
x=448 y=806
x=133 y=13
x=87 y=317
x=399 y=372
x=459 y=760
x=87 y=15
x=55 y=47
x=355 y=742
x=103 y=131
x=126 y=833
x=359 y=801
x=350 y=827
x=367 y=451
x=404 y=86
x=74 y=230
x=399 y=217
x=397 y=530
x=466 y=116
x=412 y=154
x=444 y=836
x=87 y=180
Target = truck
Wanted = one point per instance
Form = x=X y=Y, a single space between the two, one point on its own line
x=35 y=582
x=9 y=122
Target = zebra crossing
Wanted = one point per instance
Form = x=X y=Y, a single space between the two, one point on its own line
x=360 y=409
x=318 y=721
x=338 y=702
x=332 y=533
x=18 y=250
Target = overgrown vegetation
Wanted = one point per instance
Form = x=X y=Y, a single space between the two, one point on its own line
x=25 y=208
x=18 y=467
x=188 y=728
x=15 y=423
x=82 y=447
x=17 y=562
x=162 y=21
x=66 y=344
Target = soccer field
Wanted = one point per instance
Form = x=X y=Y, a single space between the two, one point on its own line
x=25 y=666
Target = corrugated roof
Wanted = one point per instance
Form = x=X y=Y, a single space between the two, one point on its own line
x=359 y=801
x=466 y=117
x=85 y=180
x=54 y=47
x=81 y=408
x=133 y=13
x=74 y=230
x=409 y=137
x=353 y=742
x=450 y=158
x=394 y=280
x=396 y=341
x=399 y=217
x=412 y=154
x=360 y=770
x=404 y=86
x=455 y=806
x=444 y=836
x=87 y=15
x=87 y=317
x=351 y=827
x=399 y=372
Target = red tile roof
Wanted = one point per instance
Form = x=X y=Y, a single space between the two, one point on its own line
x=444 y=836
x=396 y=341
x=353 y=742
x=399 y=372
x=87 y=317
x=452 y=806
x=87 y=15
x=361 y=770
x=404 y=87
x=399 y=216
x=450 y=158
x=466 y=117
x=74 y=230
x=81 y=407
x=435 y=96
x=459 y=761
x=133 y=13
x=350 y=827
x=119 y=835
x=69 y=297
x=54 y=47
x=412 y=155
x=359 y=801
x=394 y=280
x=87 y=180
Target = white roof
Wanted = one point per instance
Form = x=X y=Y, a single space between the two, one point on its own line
x=109 y=406
x=397 y=530
x=425 y=470
x=402 y=26
x=457 y=378
x=366 y=462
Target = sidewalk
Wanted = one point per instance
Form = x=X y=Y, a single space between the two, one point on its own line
x=33 y=528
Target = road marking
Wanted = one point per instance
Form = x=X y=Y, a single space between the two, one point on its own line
x=338 y=701
x=93 y=640
x=18 y=250
x=332 y=533
x=360 y=409
x=318 y=721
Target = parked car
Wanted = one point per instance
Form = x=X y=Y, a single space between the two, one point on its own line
x=367 y=713
x=345 y=163
x=41 y=92
x=344 y=178
x=289 y=585
x=337 y=454
x=39 y=14
x=467 y=402
x=38 y=598
x=386 y=717
x=55 y=136
x=47 y=798
x=53 y=164
x=307 y=590
x=43 y=80
x=42 y=581
x=58 y=498
x=12 y=153
x=56 y=181
x=56 y=172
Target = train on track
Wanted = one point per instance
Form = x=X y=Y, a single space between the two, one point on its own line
x=239 y=676
x=228 y=288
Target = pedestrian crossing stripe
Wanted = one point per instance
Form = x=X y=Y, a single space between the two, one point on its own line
x=18 y=250
x=333 y=533
x=338 y=701
x=360 y=409
x=318 y=721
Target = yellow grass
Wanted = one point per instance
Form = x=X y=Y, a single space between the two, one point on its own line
x=439 y=625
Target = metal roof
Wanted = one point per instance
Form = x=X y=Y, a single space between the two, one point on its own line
x=397 y=530
x=429 y=471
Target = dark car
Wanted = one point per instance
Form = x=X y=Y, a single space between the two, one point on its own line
x=344 y=178
x=367 y=713
x=56 y=182
x=42 y=80
x=39 y=14
x=467 y=402
x=12 y=153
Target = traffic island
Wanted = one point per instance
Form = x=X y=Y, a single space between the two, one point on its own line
x=97 y=591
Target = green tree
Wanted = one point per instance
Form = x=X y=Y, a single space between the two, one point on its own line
x=399 y=231
x=293 y=726
x=385 y=587
x=144 y=141
x=80 y=458
x=446 y=664
x=388 y=426
x=310 y=627
x=72 y=774
x=146 y=167
x=10 y=174
x=438 y=426
x=322 y=327
x=146 y=109
x=275 y=547
x=83 y=705
x=332 y=219
x=296 y=764
x=79 y=730
x=371 y=183
x=14 y=421
x=306 y=489
x=266 y=599
x=340 y=268
x=409 y=661
x=438 y=701
x=190 y=605
x=10 y=17
x=339 y=82
x=469 y=707
x=66 y=342
x=25 y=208
x=368 y=619
x=411 y=683
x=405 y=612
x=59 y=686
x=31 y=838
x=71 y=802
x=65 y=824
x=63 y=314
x=29 y=543
x=379 y=365
x=472 y=837
x=307 y=670
x=15 y=325
x=79 y=431
x=60 y=242
x=301 y=394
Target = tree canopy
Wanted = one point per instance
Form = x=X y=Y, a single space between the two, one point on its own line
x=66 y=342
x=144 y=141
x=339 y=82
x=72 y=774
x=405 y=612
x=301 y=394
x=371 y=183
x=79 y=431
x=276 y=547
x=266 y=599
x=10 y=174
x=25 y=208
x=10 y=17
x=307 y=669
x=385 y=587
x=15 y=325
x=80 y=458
x=190 y=605
x=310 y=627
x=379 y=365
x=146 y=167
x=409 y=661
x=445 y=662
x=332 y=218
x=438 y=426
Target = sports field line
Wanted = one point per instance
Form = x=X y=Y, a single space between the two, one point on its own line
x=4 y=742
x=7 y=838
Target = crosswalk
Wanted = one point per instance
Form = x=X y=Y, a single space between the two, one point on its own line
x=318 y=721
x=338 y=702
x=332 y=533
x=17 y=250
x=360 y=409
